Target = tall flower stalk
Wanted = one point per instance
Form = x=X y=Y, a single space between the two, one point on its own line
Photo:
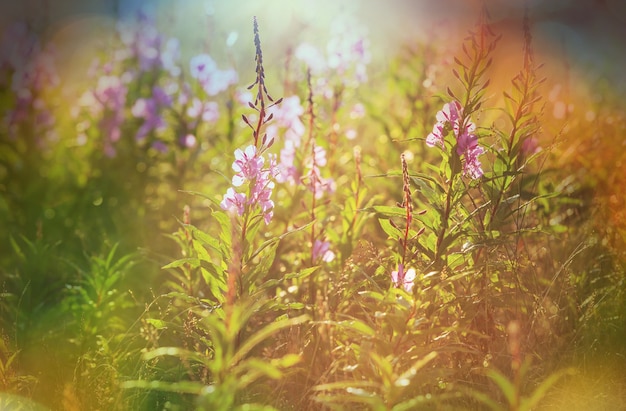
x=455 y=132
x=254 y=202
x=402 y=277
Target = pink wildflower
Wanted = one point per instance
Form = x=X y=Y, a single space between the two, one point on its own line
x=234 y=201
x=247 y=165
x=404 y=279
x=201 y=66
x=321 y=250
x=467 y=142
x=188 y=140
x=530 y=146
x=435 y=138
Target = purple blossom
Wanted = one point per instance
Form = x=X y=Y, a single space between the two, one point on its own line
x=436 y=137
x=321 y=250
x=318 y=184
x=472 y=165
x=403 y=279
x=530 y=146
x=111 y=92
x=108 y=100
x=288 y=171
x=234 y=201
x=188 y=141
x=358 y=111
x=220 y=81
x=288 y=113
x=201 y=66
x=467 y=146
x=451 y=113
x=249 y=167
x=287 y=118
x=160 y=146
x=244 y=97
x=150 y=110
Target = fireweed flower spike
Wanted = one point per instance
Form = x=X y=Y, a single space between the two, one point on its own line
x=249 y=164
x=450 y=117
x=259 y=101
x=249 y=167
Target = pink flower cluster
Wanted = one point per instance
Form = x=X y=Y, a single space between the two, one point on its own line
x=249 y=167
x=451 y=116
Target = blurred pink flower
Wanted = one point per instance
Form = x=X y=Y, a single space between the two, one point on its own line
x=403 y=279
x=530 y=146
x=149 y=109
x=188 y=141
x=321 y=251
x=160 y=146
x=208 y=111
x=201 y=66
x=213 y=80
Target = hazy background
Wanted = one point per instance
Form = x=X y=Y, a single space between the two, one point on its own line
x=587 y=34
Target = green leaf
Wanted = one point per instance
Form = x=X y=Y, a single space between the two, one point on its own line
x=355 y=325
x=193 y=262
x=204 y=238
x=260 y=268
x=389 y=229
x=287 y=361
x=406 y=376
x=506 y=386
x=202 y=253
x=532 y=402
x=265 y=333
x=390 y=211
x=483 y=398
